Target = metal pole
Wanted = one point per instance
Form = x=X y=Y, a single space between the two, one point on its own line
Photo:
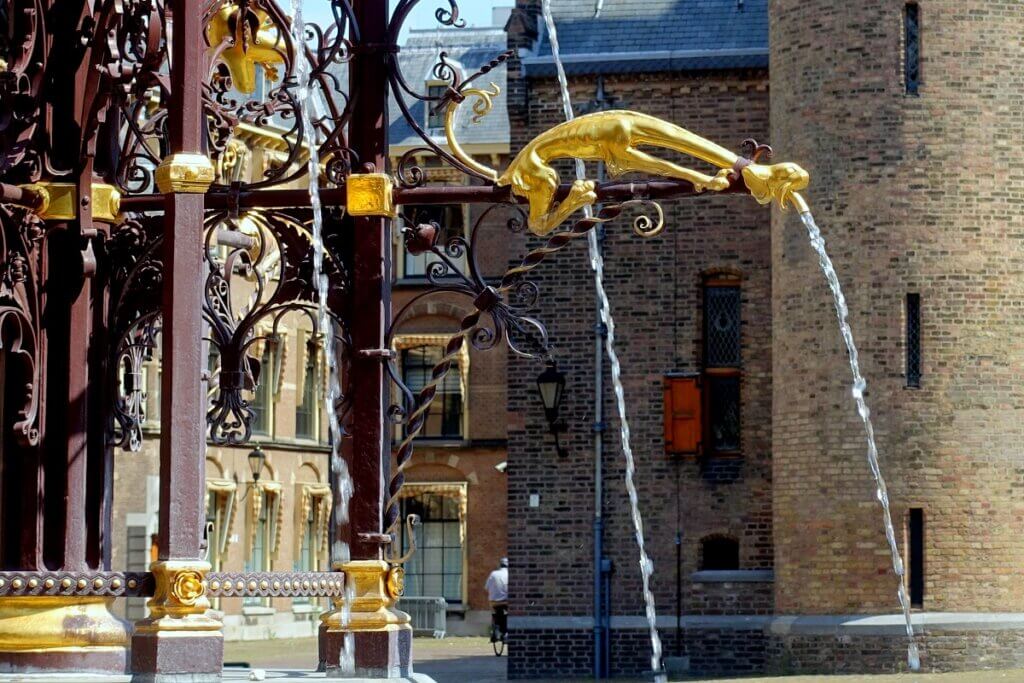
x=178 y=638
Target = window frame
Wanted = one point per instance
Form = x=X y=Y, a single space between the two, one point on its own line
x=404 y=342
x=719 y=539
x=912 y=49
x=432 y=126
x=913 y=356
x=311 y=406
x=452 y=490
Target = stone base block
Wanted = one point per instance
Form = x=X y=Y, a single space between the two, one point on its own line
x=177 y=656
x=384 y=654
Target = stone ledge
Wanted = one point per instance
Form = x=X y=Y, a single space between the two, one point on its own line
x=733 y=576
x=826 y=624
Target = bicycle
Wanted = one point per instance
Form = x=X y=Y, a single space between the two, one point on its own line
x=499 y=628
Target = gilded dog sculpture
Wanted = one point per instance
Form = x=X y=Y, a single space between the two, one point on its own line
x=616 y=138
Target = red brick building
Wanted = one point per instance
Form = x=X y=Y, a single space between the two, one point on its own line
x=768 y=545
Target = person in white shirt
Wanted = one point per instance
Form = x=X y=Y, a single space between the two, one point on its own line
x=497 y=593
x=497 y=583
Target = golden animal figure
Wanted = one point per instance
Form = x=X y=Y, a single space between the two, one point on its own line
x=254 y=39
x=616 y=138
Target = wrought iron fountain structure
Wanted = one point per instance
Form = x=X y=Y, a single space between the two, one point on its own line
x=121 y=224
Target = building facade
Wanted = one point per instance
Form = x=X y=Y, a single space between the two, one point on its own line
x=456 y=480
x=760 y=515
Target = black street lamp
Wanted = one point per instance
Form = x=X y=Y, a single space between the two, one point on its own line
x=551 y=385
x=257 y=458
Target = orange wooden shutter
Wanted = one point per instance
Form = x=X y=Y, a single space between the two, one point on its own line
x=683 y=418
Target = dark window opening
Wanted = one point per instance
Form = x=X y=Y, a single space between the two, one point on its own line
x=913 y=340
x=435 y=119
x=719 y=553
x=306 y=413
x=262 y=399
x=911 y=47
x=444 y=418
x=915 y=524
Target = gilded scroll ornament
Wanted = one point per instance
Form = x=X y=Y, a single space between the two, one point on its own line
x=616 y=138
x=252 y=38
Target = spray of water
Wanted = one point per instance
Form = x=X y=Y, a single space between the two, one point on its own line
x=597 y=264
x=859 y=386
x=340 y=553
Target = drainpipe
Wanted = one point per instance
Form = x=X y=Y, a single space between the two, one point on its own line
x=602 y=566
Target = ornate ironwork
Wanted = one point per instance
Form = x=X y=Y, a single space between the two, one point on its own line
x=21 y=255
x=111 y=584
x=275 y=584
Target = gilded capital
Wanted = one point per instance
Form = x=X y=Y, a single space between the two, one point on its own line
x=59 y=201
x=370 y=194
x=179 y=602
x=372 y=587
x=185 y=173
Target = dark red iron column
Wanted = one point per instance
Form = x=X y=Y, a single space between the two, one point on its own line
x=178 y=641
x=381 y=636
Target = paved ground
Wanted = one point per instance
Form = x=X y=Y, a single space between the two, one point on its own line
x=471 y=660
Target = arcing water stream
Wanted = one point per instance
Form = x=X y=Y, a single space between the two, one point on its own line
x=597 y=264
x=859 y=387
x=340 y=552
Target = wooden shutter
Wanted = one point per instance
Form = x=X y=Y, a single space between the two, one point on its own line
x=683 y=415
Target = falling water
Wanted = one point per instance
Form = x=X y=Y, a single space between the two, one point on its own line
x=597 y=264
x=859 y=386
x=340 y=553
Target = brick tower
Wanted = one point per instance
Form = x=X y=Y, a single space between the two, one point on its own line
x=908 y=117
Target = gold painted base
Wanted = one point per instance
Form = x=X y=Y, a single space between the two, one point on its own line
x=373 y=591
x=61 y=633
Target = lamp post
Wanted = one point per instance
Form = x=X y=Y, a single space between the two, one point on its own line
x=551 y=385
x=257 y=458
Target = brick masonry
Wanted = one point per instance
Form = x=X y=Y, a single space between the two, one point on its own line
x=914 y=194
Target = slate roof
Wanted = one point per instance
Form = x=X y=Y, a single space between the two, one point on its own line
x=654 y=35
x=471 y=48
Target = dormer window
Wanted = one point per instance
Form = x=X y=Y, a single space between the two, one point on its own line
x=435 y=119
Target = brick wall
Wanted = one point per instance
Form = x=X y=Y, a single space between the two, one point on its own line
x=914 y=194
x=655 y=287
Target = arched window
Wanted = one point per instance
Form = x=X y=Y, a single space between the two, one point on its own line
x=719 y=553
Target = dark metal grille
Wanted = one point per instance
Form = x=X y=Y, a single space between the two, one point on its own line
x=444 y=418
x=911 y=47
x=721 y=327
x=913 y=340
x=724 y=417
x=435 y=569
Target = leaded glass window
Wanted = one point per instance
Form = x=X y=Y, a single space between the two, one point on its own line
x=913 y=340
x=435 y=569
x=911 y=47
x=721 y=326
x=444 y=419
